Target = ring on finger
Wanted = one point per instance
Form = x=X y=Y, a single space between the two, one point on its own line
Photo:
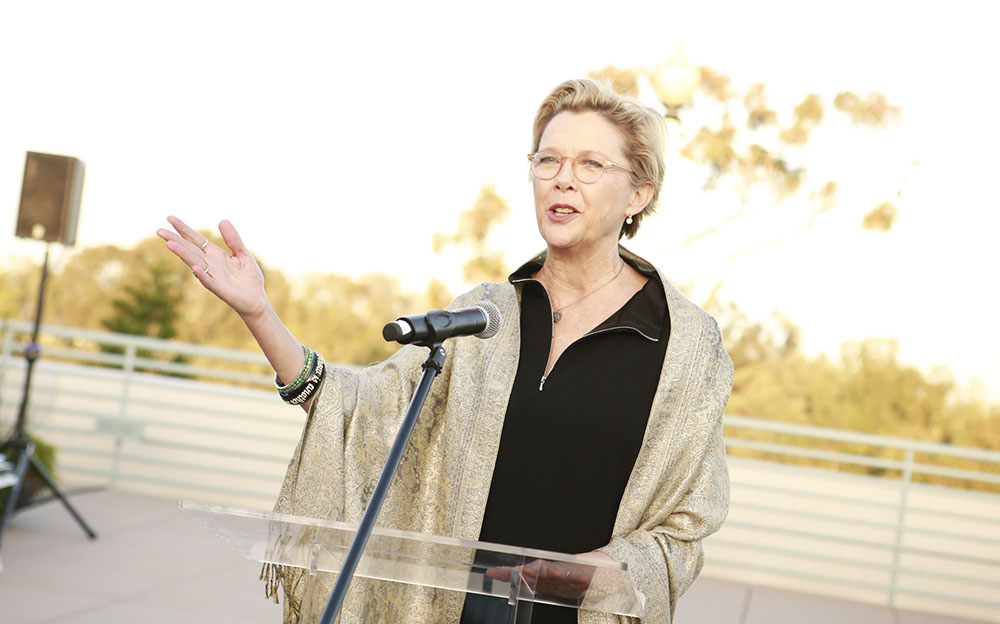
x=204 y=245
x=207 y=272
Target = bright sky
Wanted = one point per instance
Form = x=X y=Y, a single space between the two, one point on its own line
x=339 y=138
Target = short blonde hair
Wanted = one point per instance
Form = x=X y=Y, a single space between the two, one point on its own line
x=642 y=129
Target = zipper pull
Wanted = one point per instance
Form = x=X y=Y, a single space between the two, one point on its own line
x=542 y=384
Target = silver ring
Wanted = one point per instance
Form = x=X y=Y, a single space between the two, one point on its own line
x=207 y=272
x=204 y=245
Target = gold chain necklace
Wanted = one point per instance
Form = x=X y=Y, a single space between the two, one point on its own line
x=557 y=315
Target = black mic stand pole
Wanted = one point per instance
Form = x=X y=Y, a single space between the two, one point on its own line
x=19 y=439
x=432 y=366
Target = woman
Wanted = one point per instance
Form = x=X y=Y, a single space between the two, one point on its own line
x=591 y=423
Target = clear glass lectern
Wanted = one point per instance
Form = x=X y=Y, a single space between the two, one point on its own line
x=521 y=577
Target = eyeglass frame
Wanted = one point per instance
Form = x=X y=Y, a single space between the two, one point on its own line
x=605 y=165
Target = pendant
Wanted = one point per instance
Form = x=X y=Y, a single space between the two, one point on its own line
x=556 y=317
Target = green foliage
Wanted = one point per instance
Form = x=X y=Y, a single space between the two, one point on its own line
x=33 y=485
x=869 y=390
x=149 y=308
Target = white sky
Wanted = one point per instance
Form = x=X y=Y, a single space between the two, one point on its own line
x=340 y=138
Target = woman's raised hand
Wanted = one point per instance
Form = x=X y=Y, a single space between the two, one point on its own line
x=233 y=277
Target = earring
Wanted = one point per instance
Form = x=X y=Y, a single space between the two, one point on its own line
x=628 y=221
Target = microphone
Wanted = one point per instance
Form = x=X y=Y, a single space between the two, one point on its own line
x=481 y=320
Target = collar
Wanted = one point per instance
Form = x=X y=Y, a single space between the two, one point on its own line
x=645 y=312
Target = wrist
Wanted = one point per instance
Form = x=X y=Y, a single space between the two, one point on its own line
x=259 y=316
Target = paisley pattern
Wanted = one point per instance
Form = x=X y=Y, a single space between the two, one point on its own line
x=677 y=494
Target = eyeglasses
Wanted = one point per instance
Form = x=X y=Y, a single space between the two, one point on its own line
x=587 y=167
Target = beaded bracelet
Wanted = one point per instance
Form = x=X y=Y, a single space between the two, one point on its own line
x=312 y=383
x=309 y=374
x=306 y=368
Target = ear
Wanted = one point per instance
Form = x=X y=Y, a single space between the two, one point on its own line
x=640 y=198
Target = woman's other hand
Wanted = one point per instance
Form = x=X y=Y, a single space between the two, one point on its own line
x=232 y=277
x=555 y=578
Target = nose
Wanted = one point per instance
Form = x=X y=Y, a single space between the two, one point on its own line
x=566 y=177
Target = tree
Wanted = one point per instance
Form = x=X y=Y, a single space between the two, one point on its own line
x=749 y=149
x=150 y=308
x=474 y=227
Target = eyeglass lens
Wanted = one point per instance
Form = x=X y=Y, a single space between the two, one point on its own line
x=586 y=167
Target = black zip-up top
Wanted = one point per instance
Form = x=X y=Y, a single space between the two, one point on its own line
x=570 y=439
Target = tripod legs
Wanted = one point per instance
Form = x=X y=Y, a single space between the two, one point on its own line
x=27 y=461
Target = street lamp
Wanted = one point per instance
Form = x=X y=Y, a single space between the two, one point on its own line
x=675 y=82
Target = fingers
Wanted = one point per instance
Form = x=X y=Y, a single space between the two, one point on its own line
x=232 y=237
x=183 y=250
x=186 y=231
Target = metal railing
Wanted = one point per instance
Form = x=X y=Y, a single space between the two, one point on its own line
x=874 y=518
x=870 y=517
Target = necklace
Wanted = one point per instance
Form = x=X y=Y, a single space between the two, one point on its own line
x=557 y=315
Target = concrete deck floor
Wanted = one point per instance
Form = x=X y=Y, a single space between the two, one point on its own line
x=152 y=564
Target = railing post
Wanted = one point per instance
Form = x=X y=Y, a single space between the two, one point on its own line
x=5 y=350
x=128 y=370
x=8 y=359
x=904 y=495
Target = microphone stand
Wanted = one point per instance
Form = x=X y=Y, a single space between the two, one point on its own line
x=432 y=367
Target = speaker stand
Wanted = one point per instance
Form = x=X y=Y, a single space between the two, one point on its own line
x=19 y=440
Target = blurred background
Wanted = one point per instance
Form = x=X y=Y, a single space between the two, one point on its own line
x=829 y=197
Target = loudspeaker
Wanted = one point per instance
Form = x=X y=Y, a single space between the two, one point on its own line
x=50 y=198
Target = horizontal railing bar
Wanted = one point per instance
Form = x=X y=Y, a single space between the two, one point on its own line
x=854 y=583
x=856 y=542
x=182 y=484
x=965 y=515
x=816 y=495
x=882 y=567
x=117 y=362
x=192 y=466
x=197 y=448
x=220 y=451
x=816 y=516
x=798 y=574
x=964 y=536
x=175 y=445
x=798 y=451
x=146 y=342
x=144 y=379
x=850 y=458
x=812 y=556
x=837 y=539
x=169 y=424
x=881 y=441
x=949 y=577
x=888 y=481
x=111 y=455
x=956 y=473
x=116 y=398
x=922 y=593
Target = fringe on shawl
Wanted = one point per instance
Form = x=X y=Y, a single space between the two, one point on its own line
x=277 y=578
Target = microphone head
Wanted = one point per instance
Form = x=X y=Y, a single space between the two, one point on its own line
x=493 y=318
x=396 y=330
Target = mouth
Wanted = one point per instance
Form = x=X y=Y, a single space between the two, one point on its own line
x=562 y=209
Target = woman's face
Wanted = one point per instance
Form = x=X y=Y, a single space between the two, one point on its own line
x=577 y=217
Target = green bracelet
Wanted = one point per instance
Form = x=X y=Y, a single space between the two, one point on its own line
x=306 y=367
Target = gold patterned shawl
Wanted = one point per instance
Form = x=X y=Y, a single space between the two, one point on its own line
x=677 y=494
